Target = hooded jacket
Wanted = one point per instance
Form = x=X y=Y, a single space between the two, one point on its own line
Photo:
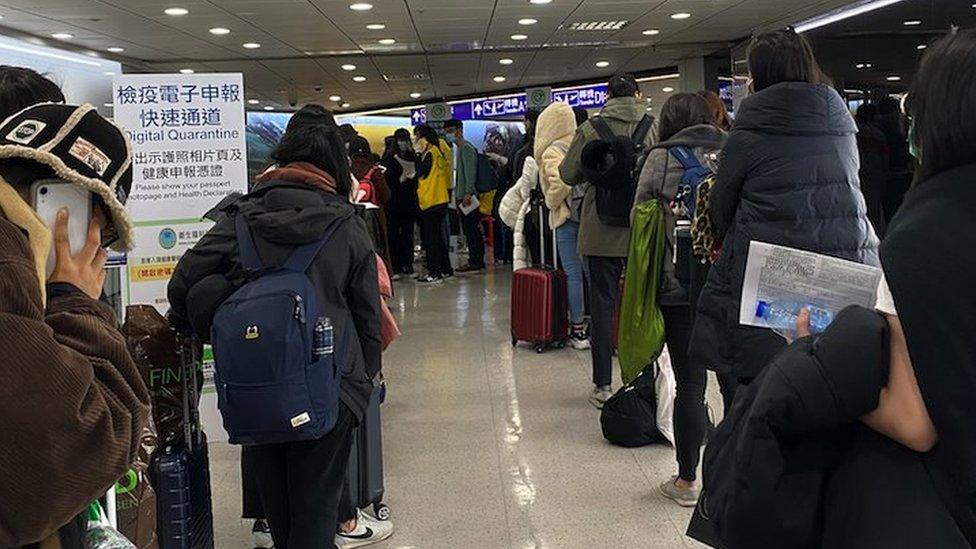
x=788 y=175
x=513 y=208
x=659 y=180
x=622 y=114
x=554 y=133
x=434 y=176
x=72 y=400
x=792 y=466
x=282 y=215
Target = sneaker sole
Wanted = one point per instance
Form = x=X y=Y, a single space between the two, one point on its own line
x=596 y=403
x=682 y=502
x=579 y=346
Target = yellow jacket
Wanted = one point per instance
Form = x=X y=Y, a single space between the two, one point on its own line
x=433 y=189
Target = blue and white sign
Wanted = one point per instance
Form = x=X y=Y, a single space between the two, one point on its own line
x=494 y=108
x=587 y=97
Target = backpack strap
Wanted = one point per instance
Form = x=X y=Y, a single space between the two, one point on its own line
x=250 y=259
x=602 y=129
x=643 y=128
x=687 y=158
x=299 y=261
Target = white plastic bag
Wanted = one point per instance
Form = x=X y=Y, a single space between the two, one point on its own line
x=666 y=388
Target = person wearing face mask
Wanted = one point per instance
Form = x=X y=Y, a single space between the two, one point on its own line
x=403 y=211
x=433 y=191
x=72 y=400
x=466 y=192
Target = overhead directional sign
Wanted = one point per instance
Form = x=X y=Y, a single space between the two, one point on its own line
x=587 y=97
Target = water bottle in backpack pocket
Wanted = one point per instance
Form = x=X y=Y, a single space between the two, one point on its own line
x=276 y=371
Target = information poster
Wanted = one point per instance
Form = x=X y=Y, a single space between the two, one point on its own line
x=189 y=152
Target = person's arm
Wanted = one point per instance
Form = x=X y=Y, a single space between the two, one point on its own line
x=425 y=164
x=73 y=402
x=732 y=171
x=901 y=414
x=650 y=184
x=555 y=189
x=363 y=297
x=569 y=170
x=381 y=190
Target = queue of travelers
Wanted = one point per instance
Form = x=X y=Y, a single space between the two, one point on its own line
x=861 y=436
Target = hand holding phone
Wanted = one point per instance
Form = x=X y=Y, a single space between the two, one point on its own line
x=85 y=269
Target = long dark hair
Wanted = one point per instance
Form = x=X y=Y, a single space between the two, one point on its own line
x=942 y=105
x=21 y=87
x=320 y=145
x=720 y=114
x=427 y=133
x=683 y=110
x=783 y=56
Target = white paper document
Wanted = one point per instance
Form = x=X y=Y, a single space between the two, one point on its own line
x=780 y=274
x=470 y=206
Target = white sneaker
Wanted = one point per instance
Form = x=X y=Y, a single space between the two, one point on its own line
x=579 y=343
x=368 y=531
x=261 y=535
x=600 y=396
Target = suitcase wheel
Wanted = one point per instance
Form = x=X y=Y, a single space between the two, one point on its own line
x=540 y=348
x=514 y=341
x=561 y=345
x=381 y=511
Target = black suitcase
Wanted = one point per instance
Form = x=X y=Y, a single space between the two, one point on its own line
x=180 y=472
x=365 y=473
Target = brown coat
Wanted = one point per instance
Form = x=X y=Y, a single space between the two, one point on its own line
x=72 y=403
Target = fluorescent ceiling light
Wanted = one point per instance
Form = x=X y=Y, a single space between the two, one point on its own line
x=527 y=21
x=42 y=53
x=335 y=98
x=893 y=78
x=499 y=78
x=505 y=61
x=361 y=6
x=63 y=35
x=519 y=37
x=651 y=32
x=252 y=102
x=680 y=15
x=921 y=46
x=602 y=64
x=415 y=95
x=108 y=105
x=108 y=73
x=251 y=45
x=115 y=49
x=348 y=67
x=659 y=77
x=268 y=108
x=667 y=89
x=912 y=23
x=176 y=12
x=375 y=26
x=220 y=31
x=540 y=2
x=345 y=105
x=186 y=71
x=858 y=8
x=359 y=78
x=388 y=41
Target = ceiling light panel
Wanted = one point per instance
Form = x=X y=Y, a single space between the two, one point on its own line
x=598 y=25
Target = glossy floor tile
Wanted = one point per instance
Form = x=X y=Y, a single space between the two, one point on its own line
x=487 y=446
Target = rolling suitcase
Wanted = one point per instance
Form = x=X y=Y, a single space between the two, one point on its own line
x=539 y=301
x=365 y=472
x=180 y=473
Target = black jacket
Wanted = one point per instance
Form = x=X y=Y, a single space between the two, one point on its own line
x=792 y=467
x=788 y=175
x=403 y=201
x=282 y=216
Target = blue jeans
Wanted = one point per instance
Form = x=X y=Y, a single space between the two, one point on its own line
x=567 y=236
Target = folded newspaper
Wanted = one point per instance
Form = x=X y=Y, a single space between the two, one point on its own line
x=781 y=275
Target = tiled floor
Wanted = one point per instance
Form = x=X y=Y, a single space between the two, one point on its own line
x=487 y=446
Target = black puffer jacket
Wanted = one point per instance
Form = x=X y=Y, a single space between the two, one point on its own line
x=283 y=215
x=788 y=175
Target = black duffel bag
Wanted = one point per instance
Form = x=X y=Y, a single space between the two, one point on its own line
x=629 y=417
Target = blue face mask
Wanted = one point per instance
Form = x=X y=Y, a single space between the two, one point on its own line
x=450 y=138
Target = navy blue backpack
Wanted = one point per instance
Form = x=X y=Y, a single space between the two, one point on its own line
x=695 y=174
x=276 y=373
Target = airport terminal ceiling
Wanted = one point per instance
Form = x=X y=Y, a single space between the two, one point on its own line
x=399 y=51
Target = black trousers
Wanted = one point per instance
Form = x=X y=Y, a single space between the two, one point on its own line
x=400 y=229
x=604 y=289
x=249 y=489
x=432 y=224
x=300 y=484
x=504 y=242
x=471 y=223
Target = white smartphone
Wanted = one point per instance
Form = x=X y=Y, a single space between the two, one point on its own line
x=51 y=195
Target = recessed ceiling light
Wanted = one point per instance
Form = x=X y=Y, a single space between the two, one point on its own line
x=348 y=67
x=667 y=89
x=540 y=2
x=867 y=65
x=388 y=41
x=359 y=78
x=375 y=26
x=528 y=21
x=345 y=105
x=505 y=61
x=651 y=32
x=680 y=15
x=602 y=64
x=63 y=35
x=108 y=73
x=416 y=95
x=912 y=23
x=519 y=37
x=106 y=105
x=335 y=98
x=220 y=31
x=893 y=78
x=176 y=12
x=268 y=108
x=921 y=46
x=250 y=45
x=115 y=49
x=252 y=101
x=499 y=78
x=186 y=71
x=860 y=65
x=361 y=6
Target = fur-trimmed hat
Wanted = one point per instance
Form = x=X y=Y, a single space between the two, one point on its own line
x=81 y=147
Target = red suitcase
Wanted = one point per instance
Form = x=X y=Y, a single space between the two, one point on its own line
x=539 y=302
